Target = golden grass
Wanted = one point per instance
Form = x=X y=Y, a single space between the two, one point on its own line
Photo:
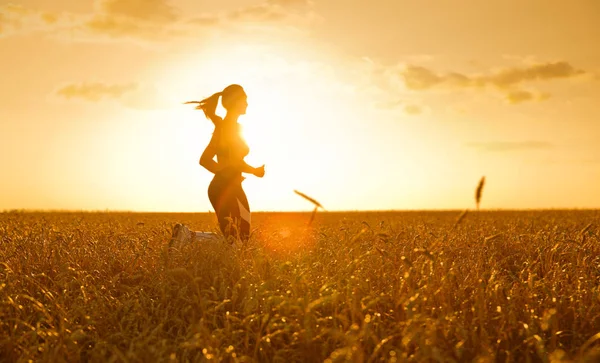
x=498 y=286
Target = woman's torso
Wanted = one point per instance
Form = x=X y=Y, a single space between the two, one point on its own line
x=231 y=149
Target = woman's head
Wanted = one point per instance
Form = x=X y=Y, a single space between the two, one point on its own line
x=234 y=101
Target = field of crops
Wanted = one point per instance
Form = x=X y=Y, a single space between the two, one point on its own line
x=406 y=286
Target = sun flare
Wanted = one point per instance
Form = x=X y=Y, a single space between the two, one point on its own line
x=295 y=112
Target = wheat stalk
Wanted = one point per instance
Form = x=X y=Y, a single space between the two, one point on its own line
x=313 y=215
x=460 y=218
x=313 y=201
x=479 y=191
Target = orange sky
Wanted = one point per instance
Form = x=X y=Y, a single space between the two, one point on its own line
x=363 y=105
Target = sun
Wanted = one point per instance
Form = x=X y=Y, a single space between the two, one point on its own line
x=299 y=122
x=277 y=139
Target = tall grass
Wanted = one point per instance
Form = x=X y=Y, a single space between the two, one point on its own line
x=498 y=286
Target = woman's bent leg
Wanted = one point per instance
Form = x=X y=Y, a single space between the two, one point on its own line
x=236 y=212
x=243 y=213
x=231 y=206
x=216 y=196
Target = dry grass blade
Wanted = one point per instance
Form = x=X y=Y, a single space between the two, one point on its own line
x=583 y=350
x=460 y=218
x=479 y=191
x=313 y=215
x=493 y=237
x=582 y=233
x=383 y=253
x=312 y=200
x=378 y=348
x=585 y=229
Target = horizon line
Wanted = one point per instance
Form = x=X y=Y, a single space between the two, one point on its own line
x=31 y=210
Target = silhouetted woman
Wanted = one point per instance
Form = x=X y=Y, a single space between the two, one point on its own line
x=225 y=190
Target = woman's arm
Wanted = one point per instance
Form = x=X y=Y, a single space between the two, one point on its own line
x=245 y=168
x=259 y=172
x=207 y=158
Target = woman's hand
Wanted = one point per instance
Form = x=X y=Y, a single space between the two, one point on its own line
x=259 y=172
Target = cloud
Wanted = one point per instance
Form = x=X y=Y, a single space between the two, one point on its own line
x=271 y=11
x=123 y=28
x=511 y=145
x=413 y=110
x=536 y=72
x=260 y=12
x=132 y=95
x=15 y=18
x=519 y=96
x=145 y=20
x=148 y=20
x=95 y=92
x=159 y=11
x=417 y=78
x=290 y=3
x=420 y=78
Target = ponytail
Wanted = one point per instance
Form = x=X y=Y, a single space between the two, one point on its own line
x=209 y=106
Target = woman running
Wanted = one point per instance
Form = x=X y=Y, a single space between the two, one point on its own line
x=225 y=190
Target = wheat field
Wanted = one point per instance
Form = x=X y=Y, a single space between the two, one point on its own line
x=361 y=287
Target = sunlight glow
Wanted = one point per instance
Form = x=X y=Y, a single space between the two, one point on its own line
x=297 y=122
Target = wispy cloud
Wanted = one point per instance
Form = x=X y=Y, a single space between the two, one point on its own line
x=10 y=18
x=537 y=72
x=145 y=20
x=159 y=11
x=508 y=80
x=272 y=11
x=421 y=78
x=413 y=110
x=518 y=96
x=511 y=145
x=139 y=96
x=259 y=12
x=148 y=20
x=15 y=19
x=95 y=92
x=290 y=3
